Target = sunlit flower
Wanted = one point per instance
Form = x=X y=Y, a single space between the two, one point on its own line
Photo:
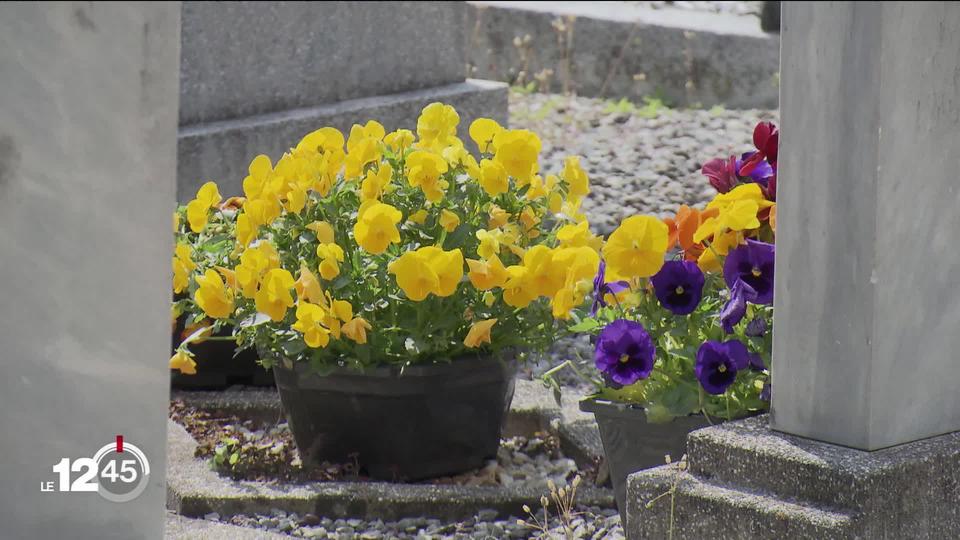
x=487 y=274
x=182 y=266
x=576 y=178
x=376 y=228
x=212 y=296
x=753 y=264
x=273 y=298
x=418 y=217
x=636 y=248
x=679 y=286
x=516 y=291
x=437 y=125
x=356 y=329
x=331 y=255
x=183 y=361
x=493 y=177
x=479 y=333
x=718 y=363
x=449 y=221
x=518 y=150
x=601 y=288
x=399 y=140
x=415 y=276
x=323 y=230
x=483 y=131
x=448 y=266
x=208 y=196
x=310 y=323
x=624 y=352
x=424 y=170
x=308 y=287
x=489 y=244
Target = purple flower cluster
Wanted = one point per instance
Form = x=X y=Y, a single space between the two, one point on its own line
x=625 y=352
x=748 y=272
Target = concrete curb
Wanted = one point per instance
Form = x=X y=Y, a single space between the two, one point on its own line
x=194 y=490
x=614 y=49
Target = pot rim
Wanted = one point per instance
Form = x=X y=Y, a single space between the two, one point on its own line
x=478 y=362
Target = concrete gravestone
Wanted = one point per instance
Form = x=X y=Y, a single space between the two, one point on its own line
x=88 y=118
x=257 y=76
x=865 y=384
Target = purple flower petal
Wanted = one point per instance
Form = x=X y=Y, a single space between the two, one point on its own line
x=624 y=352
x=735 y=308
x=718 y=363
x=753 y=264
x=679 y=286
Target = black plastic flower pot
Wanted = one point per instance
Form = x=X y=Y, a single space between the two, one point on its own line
x=631 y=444
x=218 y=364
x=423 y=422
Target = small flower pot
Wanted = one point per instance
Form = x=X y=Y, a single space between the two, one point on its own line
x=421 y=422
x=631 y=444
x=219 y=366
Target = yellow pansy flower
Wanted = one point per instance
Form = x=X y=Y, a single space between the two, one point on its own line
x=578 y=263
x=555 y=202
x=363 y=147
x=262 y=211
x=376 y=228
x=529 y=218
x=578 y=183
x=414 y=275
x=182 y=360
x=418 y=217
x=323 y=230
x=485 y=275
x=296 y=200
x=709 y=262
x=198 y=209
x=578 y=235
x=246 y=230
x=254 y=263
x=479 y=333
x=229 y=276
x=448 y=265
x=493 y=177
x=320 y=156
x=424 y=170
x=308 y=287
x=260 y=170
x=437 y=125
x=537 y=189
x=483 y=131
x=273 y=298
x=489 y=244
x=376 y=182
x=564 y=301
x=517 y=291
x=544 y=277
x=182 y=266
x=356 y=329
x=309 y=323
x=518 y=150
x=330 y=257
x=212 y=296
x=498 y=217
x=399 y=140
x=636 y=248
x=449 y=221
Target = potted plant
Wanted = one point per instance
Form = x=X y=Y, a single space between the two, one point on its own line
x=682 y=316
x=391 y=281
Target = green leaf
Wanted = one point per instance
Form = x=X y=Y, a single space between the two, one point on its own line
x=234 y=458
x=586 y=325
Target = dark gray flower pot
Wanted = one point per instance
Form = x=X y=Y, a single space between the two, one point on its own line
x=428 y=421
x=219 y=365
x=631 y=444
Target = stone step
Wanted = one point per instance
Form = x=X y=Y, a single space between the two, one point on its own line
x=753 y=457
x=701 y=509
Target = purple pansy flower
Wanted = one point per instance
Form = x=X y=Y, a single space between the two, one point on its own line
x=722 y=173
x=767 y=390
x=679 y=286
x=757 y=327
x=736 y=307
x=624 y=352
x=751 y=263
x=718 y=363
x=601 y=289
x=756 y=362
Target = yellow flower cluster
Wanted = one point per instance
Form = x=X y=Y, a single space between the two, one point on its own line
x=333 y=212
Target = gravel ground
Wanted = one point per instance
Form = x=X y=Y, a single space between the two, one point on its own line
x=735 y=8
x=587 y=523
x=638 y=159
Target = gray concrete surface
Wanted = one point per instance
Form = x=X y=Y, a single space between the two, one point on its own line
x=615 y=49
x=746 y=480
x=866 y=299
x=88 y=119
x=181 y=528
x=248 y=58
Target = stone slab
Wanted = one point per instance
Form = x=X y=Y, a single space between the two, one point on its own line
x=182 y=528
x=685 y=57
x=866 y=298
x=88 y=119
x=248 y=58
x=222 y=151
x=193 y=490
x=767 y=484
